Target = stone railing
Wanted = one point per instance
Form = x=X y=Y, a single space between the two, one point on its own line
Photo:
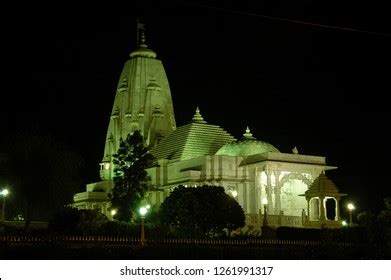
x=126 y=240
x=256 y=220
x=110 y=247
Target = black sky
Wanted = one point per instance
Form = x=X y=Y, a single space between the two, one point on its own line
x=323 y=90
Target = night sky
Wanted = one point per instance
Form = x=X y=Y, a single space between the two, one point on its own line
x=323 y=90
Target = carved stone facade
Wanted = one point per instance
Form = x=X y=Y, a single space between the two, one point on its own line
x=280 y=178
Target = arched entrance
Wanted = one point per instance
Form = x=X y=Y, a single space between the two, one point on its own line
x=331 y=208
x=291 y=186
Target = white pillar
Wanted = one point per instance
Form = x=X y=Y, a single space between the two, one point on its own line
x=277 y=193
x=337 y=214
x=269 y=191
x=322 y=216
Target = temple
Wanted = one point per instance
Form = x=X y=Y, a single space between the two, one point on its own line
x=290 y=187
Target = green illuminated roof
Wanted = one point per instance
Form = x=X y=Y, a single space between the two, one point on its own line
x=192 y=140
x=247 y=146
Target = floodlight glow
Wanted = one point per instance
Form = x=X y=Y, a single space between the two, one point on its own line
x=351 y=206
x=234 y=193
x=4 y=192
x=264 y=201
x=113 y=212
x=143 y=211
x=344 y=223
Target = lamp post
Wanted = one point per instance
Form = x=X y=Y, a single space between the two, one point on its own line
x=113 y=212
x=264 y=201
x=143 y=212
x=4 y=193
x=351 y=208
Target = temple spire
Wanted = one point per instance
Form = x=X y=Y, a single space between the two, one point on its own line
x=197 y=117
x=143 y=44
x=248 y=135
x=143 y=86
x=142 y=48
x=141 y=35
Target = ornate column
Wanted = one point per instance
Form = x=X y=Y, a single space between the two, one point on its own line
x=277 y=193
x=257 y=191
x=321 y=206
x=269 y=188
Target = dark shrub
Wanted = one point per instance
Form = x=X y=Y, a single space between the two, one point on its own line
x=74 y=221
x=291 y=233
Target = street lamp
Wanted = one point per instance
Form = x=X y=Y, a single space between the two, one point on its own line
x=344 y=223
x=4 y=193
x=264 y=201
x=143 y=211
x=113 y=213
x=351 y=208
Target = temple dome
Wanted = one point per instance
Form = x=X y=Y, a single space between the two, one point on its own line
x=246 y=146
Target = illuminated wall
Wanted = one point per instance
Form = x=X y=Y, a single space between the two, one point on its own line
x=287 y=186
x=291 y=203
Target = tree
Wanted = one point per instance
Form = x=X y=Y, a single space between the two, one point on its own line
x=42 y=173
x=131 y=181
x=383 y=229
x=201 y=211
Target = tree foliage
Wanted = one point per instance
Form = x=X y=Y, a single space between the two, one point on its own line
x=383 y=229
x=378 y=230
x=201 y=211
x=130 y=177
x=42 y=175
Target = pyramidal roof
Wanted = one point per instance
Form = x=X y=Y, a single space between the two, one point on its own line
x=323 y=186
x=195 y=139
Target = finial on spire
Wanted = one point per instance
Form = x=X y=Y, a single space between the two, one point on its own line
x=141 y=27
x=142 y=48
x=143 y=45
x=197 y=117
x=248 y=135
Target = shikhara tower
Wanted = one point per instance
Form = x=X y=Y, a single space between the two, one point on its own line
x=142 y=102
